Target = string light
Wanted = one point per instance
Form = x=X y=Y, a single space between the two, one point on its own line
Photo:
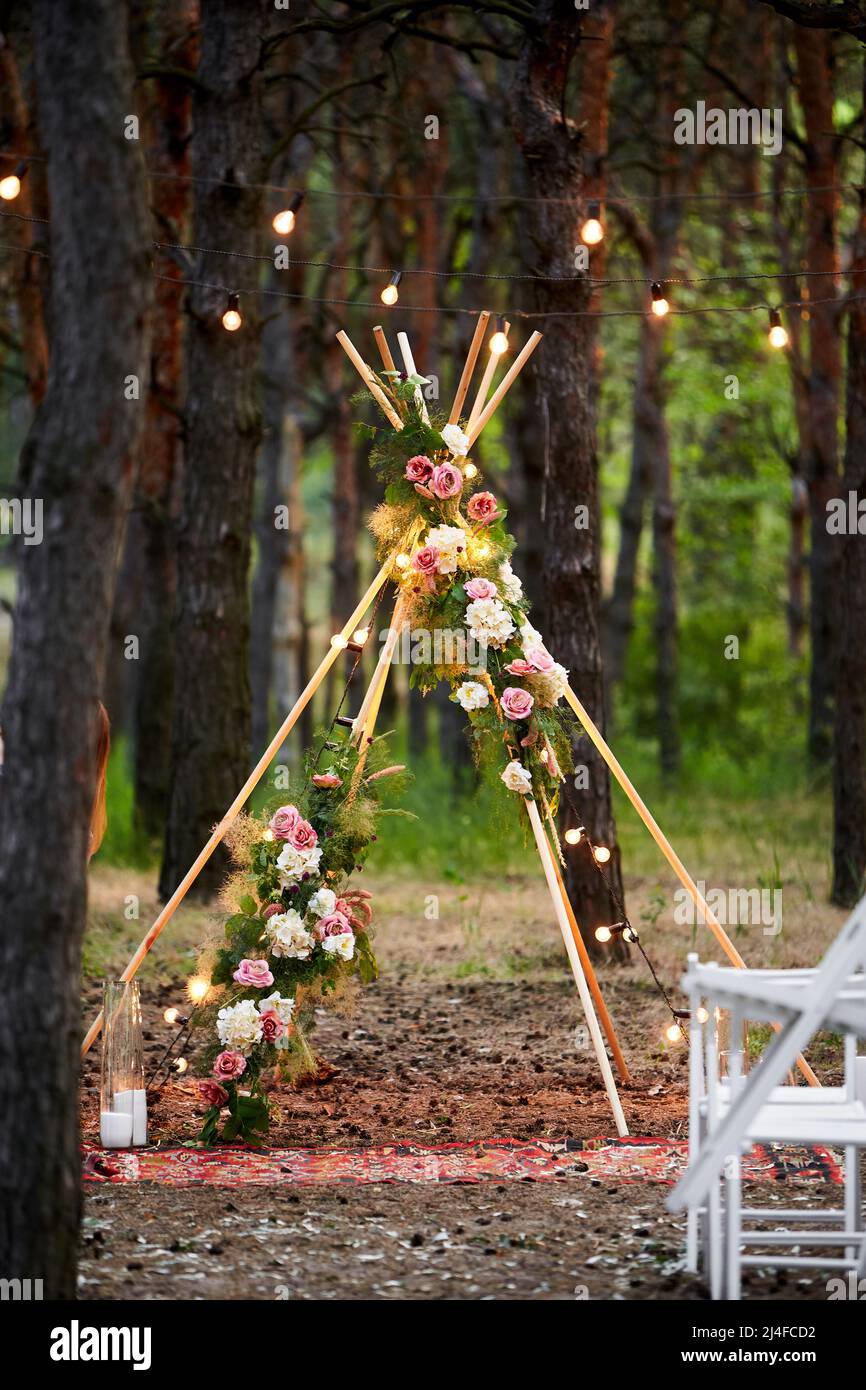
x=10 y=185
x=673 y=1033
x=339 y=642
x=573 y=837
x=402 y=562
x=499 y=341
x=778 y=334
x=470 y=471
x=592 y=232
x=660 y=305
x=601 y=853
x=197 y=987
x=268 y=835
x=180 y=1065
x=360 y=635
x=702 y=1015
x=390 y=293
x=171 y=1015
x=284 y=221
x=232 y=317
x=603 y=933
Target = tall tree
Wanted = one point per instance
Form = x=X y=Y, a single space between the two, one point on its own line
x=79 y=460
x=551 y=144
x=211 y=720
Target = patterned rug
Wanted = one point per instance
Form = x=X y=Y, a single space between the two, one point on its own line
x=487 y=1160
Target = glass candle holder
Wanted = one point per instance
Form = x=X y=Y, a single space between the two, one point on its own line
x=123 y=1101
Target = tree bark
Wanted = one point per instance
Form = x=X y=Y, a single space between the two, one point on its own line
x=551 y=148
x=79 y=459
x=211 y=718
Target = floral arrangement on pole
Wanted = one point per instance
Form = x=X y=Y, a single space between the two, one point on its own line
x=457 y=580
x=299 y=934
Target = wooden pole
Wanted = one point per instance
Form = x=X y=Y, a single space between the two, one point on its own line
x=576 y=968
x=667 y=850
x=481 y=397
x=243 y=795
x=368 y=378
x=384 y=351
x=409 y=364
x=469 y=367
x=504 y=387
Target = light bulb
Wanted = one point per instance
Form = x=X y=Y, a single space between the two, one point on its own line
x=470 y=471
x=390 y=293
x=603 y=933
x=268 y=835
x=10 y=187
x=339 y=641
x=232 y=317
x=360 y=635
x=197 y=988
x=180 y=1065
x=660 y=305
x=573 y=837
x=402 y=562
x=702 y=1015
x=778 y=334
x=499 y=341
x=171 y=1015
x=629 y=934
x=592 y=232
x=284 y=221
x=673 y=1032
x=602 y=854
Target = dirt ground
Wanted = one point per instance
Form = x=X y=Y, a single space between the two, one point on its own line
x=473 y=1031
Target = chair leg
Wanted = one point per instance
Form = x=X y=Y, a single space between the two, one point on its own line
x=853 y=1197
x=692 y=1239
x=715 y=1243
x=733 y=1224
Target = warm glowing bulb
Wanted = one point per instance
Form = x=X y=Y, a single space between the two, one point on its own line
x=483 y=550
x=470 y=471
x=390 y=294
x=673 y=1032
x=180 y=1065
x=284 y=222
x=268 y=835
x=602 y=854
x=232 y=317
x=360 y=635
x=660 y=307
x=702 y=1015
x=778 y=336
x=339 y=641
x=171 y=1015
x=572 y=837
x=197 y=988
x=402 y=562
x=603 y=933
x=592 y=232
x=498 y=343
x=10 y=187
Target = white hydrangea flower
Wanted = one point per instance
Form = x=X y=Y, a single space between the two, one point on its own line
x=511 y=585
x=455 y=440
x=548 y=687
x=451 y=542
x=489 y=622
x=342 y=945
x=293 y=863
x=323 y=902
x=288 y=936
x=531 y=636
x=239 y=1026
x=517 y=778
x=472 y=695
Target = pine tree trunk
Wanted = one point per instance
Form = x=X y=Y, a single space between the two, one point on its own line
x=551 y=147
x=211 y=718
x=79 y=459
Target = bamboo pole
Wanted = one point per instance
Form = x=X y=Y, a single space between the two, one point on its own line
x=667 y=849
x=504 y=386
x=368 y=378
x=384 y=351
x=366 y=716
x=411 y=369
x=489 y=370
x=243 y=795
x=576 y=968
x=469 y=366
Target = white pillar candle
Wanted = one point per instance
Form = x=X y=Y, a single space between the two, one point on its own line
x=139 y=1116
x=115 y=1129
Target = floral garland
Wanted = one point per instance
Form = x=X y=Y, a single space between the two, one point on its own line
x=306 y=932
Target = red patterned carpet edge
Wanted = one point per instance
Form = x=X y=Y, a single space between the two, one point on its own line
x=487 y=1160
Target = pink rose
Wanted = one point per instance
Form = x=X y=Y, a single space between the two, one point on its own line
x=520 y=668
x=426 y=561
x=539 y=659
x=303 y=836
x=253 y=972
x=516 y=703
x=446 y=481
x=229 y=1065
x=336 y=924
x=271 y=909
x=327 y=779
x=212 y=1093
x=272 y=1026
x=283 y=822
x=480 y=588
x=482 y=507
x=419 y=469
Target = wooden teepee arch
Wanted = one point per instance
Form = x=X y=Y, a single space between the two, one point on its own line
x=592 y=1001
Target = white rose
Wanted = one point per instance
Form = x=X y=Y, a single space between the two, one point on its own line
x=451 y=542
x=293 y=863
x=517 y=778
x=342 y=945
x=548 y=687
x=472 y=695
x=531 y=636
x=239 y=1026
x=511 y=585
x=288 y=936
x=456 y=440
x=489 y=622
x=323 y=902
